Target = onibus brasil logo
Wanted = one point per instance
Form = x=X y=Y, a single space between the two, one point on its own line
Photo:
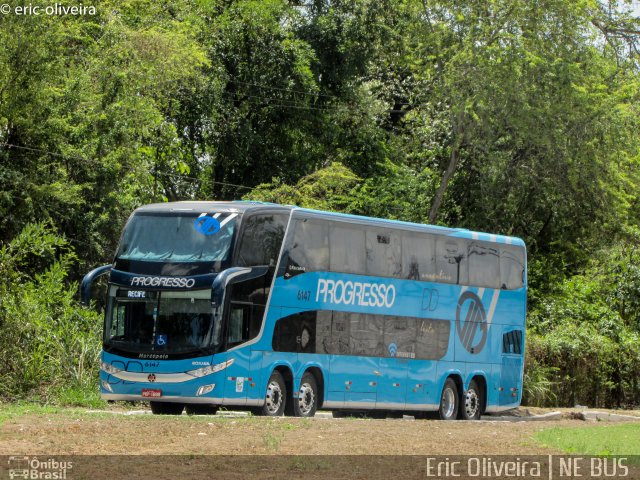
x=36 y=468
x=471 y=322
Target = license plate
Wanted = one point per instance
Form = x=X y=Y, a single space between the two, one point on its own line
x=151 y=393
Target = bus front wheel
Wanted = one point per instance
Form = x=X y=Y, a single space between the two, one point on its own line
x=307 y=402
x=449 y=401
x=276 y=396
x=166 y=408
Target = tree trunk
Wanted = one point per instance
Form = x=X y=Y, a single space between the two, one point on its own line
x=453 y=163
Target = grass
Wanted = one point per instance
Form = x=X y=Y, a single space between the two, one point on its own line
x=64 y=400
x=11 y=411
x=271 y=441
x=618 y=439
x=78 y=396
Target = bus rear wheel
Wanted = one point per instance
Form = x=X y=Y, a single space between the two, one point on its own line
x=307 y=402
x=471 y=407
x=275 y=398
x=449 y=401
x=166 y=408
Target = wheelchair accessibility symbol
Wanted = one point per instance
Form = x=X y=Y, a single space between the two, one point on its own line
x=161 y=340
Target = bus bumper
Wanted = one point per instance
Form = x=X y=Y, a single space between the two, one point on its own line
x=168 y=398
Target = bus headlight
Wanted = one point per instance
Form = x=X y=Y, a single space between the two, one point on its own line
x=201 y=372
x=107 y=367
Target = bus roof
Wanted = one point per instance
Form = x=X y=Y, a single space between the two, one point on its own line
x=208 y=206
x=244 y=206
x=435 y=229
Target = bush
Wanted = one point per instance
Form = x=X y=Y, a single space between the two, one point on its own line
x=584 y=336
x=539 y=387
x=49 y=344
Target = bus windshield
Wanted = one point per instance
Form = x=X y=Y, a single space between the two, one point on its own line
x=164 y=322
x=156 y=237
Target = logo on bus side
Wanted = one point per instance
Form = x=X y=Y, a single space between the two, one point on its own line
x=356 y=293
x=475 y=319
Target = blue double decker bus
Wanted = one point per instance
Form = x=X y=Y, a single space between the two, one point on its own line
x=287 y=310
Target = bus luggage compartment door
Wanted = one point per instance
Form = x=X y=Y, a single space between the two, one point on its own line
x=392 y=384
x=357 y=378
x=510 y=375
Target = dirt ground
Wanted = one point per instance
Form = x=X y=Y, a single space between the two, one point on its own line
x=113 y=432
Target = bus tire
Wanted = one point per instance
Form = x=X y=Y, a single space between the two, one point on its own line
x=449 y=401
x=201 y=409
x=275 y=397
x=471 y=405
x=307 y=402
x=166 y=408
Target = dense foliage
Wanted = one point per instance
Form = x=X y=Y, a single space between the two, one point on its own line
x=514 y=117
x=49 y=342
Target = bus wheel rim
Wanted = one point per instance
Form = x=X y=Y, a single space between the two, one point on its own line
x=471 y=403
x=306 y=398
x=448 y=402
x=274 y=397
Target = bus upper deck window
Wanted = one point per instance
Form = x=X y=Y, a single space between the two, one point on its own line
x=511 y=267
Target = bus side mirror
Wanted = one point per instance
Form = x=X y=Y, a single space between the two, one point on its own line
x=229 y=277
x=87 y=282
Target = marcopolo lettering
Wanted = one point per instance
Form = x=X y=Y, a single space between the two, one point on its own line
x=168 y=282
x=356 y=293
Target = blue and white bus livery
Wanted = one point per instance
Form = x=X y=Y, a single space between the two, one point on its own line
x=285 y=310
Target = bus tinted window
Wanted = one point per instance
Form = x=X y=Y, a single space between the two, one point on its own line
x=351 y=333
x=451 y=260
x=340 y=333
x=511 y=267
x=261 y=240
x=285 y=334
x=318 y=245
x=512 y=342
x=348 y=254
x=484 y=264
x=244 y=322
x=366 y=335
x=323 y=331
x=418 y=257
x=400 y=336
x=432 y=338
x=309 y=248
x=384 y=257
x=296 y=333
